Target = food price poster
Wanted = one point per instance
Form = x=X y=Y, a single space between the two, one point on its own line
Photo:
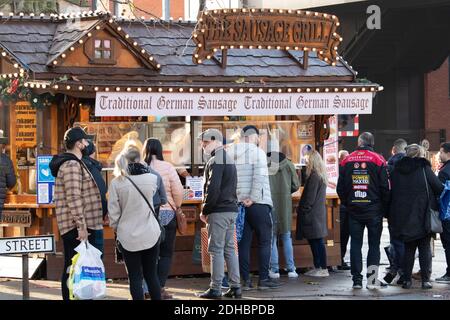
x=45 y=180
x=330 y=156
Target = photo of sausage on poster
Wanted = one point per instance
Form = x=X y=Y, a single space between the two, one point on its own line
x=330 y=156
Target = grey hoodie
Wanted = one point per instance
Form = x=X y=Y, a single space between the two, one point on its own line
x=252 y=173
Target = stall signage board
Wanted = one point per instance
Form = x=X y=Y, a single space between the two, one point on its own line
x=330 y=156
x=25 y=125
x=25 y=245
x=15 y=218
x=109 y=104
x=45 y=180
x=266 y=29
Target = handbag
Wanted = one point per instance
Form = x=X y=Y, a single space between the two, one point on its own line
x=163 y=230
x=181 y=220
x=435 y=222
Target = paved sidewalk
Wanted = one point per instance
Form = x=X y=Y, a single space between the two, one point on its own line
x=335 y=287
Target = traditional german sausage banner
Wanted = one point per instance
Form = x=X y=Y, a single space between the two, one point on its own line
x=230 y=104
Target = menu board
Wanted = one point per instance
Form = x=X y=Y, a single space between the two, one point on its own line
x=25 y=125
x=330 y=156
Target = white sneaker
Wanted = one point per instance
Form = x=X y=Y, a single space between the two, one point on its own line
x=311 y=272
x=274 y=275
x=320 y=273
x=292 y=274
x=323 y=273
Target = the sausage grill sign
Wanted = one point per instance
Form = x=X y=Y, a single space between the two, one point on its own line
x=24 y=245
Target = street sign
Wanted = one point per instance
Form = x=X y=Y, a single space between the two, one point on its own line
x=25 y=245
x=15 y=218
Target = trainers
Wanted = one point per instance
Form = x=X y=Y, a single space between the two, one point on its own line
x=427 y=285
x=211 y=294
x=320 y=273
x=268 y=284
x=357 y=284
x=376 y=284
x=401 y=280
x=274 y=275
x=445 y=279
x=344 y=266
x=292 y=274
x=247 y=285
x=310 y=272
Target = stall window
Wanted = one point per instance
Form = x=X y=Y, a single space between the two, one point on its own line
x=100 y=51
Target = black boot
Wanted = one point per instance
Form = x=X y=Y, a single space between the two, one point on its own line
x=407 y=284
x=211 y=294
x=389 y=277
x=233 y=293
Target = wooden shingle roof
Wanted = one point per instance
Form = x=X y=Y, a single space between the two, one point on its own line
x=36 y=42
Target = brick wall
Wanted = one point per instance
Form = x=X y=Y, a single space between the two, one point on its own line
x=437 y=99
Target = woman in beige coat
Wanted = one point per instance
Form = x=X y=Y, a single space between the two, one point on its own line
x=134 y=222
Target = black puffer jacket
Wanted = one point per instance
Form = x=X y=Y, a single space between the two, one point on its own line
x=408 y=215
x=7 y=178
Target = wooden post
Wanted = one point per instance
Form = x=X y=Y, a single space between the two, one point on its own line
x=25 y=280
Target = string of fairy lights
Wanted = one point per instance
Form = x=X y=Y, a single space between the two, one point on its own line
x=113 y=22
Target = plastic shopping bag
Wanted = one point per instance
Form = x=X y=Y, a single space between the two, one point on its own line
x=87 y=274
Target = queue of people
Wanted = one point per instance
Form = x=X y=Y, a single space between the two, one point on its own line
x=242 y=180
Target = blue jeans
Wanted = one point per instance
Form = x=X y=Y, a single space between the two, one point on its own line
x=319 y=253
x=374 y=227
x=288 y=253
x=258 y=219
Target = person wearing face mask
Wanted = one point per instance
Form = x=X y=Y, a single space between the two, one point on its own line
x=95 y=168
x=219 y=213
x=77 y=198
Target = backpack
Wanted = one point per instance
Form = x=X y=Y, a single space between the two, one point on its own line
x=444 y=202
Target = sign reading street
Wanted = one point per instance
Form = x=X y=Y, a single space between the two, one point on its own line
x=24 y=245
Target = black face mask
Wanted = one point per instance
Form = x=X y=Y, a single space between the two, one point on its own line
x=90 y=149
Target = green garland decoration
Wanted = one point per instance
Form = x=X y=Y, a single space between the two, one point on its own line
x=13 y=89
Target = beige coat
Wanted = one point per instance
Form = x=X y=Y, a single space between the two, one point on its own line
x=129 y=214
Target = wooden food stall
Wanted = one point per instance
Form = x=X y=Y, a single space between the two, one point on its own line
x=121 y=80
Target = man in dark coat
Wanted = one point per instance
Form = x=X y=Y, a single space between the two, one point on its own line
x=219 y=213
x=7 y=174
x=444 y=175
x=363 y=187
x=396 y=250
x=414 y=188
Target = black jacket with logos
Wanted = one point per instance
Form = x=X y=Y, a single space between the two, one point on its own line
x=220 y=184
x=363 y=184
x=408 y=217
